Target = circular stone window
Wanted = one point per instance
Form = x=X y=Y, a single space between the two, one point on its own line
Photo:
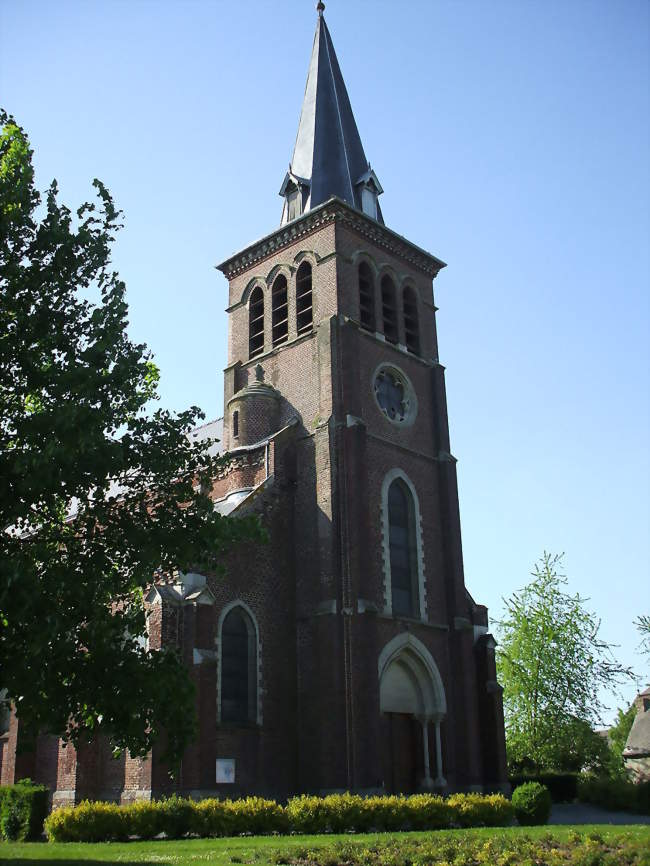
x=394 y=395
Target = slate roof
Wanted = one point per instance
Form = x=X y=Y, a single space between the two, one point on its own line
x=638 y=741
x=210 y=430
x=328 y=155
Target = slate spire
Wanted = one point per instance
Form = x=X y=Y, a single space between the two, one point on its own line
x=328 y=157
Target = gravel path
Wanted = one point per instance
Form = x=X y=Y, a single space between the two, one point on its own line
x=584 y=813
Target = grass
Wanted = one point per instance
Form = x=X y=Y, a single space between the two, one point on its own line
x=259 y=849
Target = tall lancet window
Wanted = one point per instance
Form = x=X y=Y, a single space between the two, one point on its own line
x=411 y=325
x=389 y=309
x=279 y=311
x=403 y=554
x=256 y=323
x=366 y=297
x=304 y=316
x=238 y=668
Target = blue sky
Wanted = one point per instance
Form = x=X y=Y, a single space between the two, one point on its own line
x=511 y=138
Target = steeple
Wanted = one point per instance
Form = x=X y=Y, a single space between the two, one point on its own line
x=328 y=158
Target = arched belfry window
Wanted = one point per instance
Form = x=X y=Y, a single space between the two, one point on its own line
x=389 y=309
x=411 y=324
x=279 y=311
x=256 y=323
x=304 y=315
x=238 y=686
x=366 y=297
x=402 y=550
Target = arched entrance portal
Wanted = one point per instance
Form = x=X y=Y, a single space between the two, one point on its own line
x=411 y=699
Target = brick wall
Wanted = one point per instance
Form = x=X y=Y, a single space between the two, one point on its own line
x=317 y=590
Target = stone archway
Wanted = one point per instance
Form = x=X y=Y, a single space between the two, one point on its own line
x=411 y=697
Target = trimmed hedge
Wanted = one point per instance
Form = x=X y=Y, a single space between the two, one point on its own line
x=562 y=786
x=532 y=804
x=23 y=808
x=338 y=813
x=615 y=794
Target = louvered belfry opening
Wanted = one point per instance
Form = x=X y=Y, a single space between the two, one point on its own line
x=256 y=323
x=366 y=297
x=389 y=309
x=279 y=311
x=411 y=324
x=304 y=315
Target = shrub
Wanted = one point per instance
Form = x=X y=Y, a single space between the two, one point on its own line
x=144 y=818
x=427 y=812
x=175 y=814
x=642 y=798
x=210 y=818
x=478 y=810
x=615 y=794
x=88 y=822
x=563 y=787
x=254 y=815
x=23 y=808
x=93 y=822
x=532 y=803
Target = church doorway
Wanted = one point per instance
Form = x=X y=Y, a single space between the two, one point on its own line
x=400 y=753
x=412 y=704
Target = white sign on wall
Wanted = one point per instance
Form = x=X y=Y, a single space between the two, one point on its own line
x=225 y=771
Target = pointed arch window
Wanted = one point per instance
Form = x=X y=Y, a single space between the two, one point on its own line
x=238 y=692
x=411 y=324
x=389 y=309
x=366 y=297
x=402 y=550
x=304 y=317
x=279 y=311
x=256 y=323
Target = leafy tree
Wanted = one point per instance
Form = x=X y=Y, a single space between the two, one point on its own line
x=617 y=736
x=642 y=624
x=98 y=492
x=552 y=665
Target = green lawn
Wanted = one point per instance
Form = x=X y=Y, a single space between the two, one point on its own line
x=259 y=849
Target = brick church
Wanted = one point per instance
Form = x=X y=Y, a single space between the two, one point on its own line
x=347 y=653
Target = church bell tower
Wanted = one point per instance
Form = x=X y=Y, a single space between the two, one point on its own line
x=332 y=345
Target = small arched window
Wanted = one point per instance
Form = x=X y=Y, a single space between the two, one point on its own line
x=411 y=325
x=279 y=311
x=389 y=309
x=238 y=668
x=366 y=297
x=235 y=423
x=402 y=548
x=304 y=316
x=256 y=323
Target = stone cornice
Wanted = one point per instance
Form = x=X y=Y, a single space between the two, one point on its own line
x=334 y=210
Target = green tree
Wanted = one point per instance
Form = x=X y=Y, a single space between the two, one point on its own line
x=642 y=624
x=617 y=736
x=552 y=665
x=98 y=492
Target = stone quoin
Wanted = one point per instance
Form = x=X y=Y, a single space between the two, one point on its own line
x=347 y=653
